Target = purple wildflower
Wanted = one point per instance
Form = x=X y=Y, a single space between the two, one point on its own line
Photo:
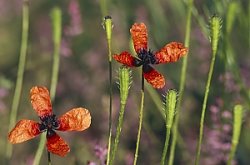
x=218 y=137
x=75 y=27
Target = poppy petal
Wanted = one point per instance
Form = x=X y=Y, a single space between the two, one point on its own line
x=77 y=119
x=125 y=58
x=40 y=100
x=171 y=53
x=56 y=145
x=139 y=36
x=23 y=131
x=154 y=78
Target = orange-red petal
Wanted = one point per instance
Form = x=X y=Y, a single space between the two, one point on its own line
x=23 y=131
x=40 y=100
x=56 y=145
x=139 y=36
x=154 y=78
x=77 y=119
x=171 y=52
x=125 y=58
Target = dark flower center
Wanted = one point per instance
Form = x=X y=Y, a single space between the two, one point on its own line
x=49 y=123
x=145 y=57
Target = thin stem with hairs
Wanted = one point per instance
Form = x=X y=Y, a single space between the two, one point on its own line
x=140 y=120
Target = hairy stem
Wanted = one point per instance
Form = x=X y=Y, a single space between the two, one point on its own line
x=215 y=26
x=164 y=153
x=118 y=133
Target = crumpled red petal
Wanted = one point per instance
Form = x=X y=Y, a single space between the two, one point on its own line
x=125 y=58
x=40 y=100
x=171 y=53
x=154 y=78
x=23 y=131
x=139 y=36
x=77 y=119
x=56 y=145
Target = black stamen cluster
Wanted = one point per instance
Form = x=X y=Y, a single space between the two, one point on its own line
x=49 y=123
x=145 y=58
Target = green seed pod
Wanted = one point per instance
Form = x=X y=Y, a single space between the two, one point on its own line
x=56 y=16
x=215 y=31
x=171 y=100
x=238 y=112
x=108 y=25
x=124 y=81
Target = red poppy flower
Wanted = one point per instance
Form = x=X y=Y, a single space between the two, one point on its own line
x=146 y=58
x=77 y=119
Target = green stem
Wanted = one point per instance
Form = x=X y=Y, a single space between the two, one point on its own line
x=124 y=85
x=104 y=9
x=182 y=83
x=57 y=30
x=204 y=110
x=140 y=122
x=49 y=159
x=174 y=140
x=165 y=146
x=20 y=72
x=215 y=26
x=118 y=133
x=56 y=16
x=108 y=29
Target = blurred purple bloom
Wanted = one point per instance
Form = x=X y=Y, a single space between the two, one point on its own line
x=101 y=153
x=129 y=158
x=226 y=115
x=218 y=137
x=65 y=48
x=75 y=27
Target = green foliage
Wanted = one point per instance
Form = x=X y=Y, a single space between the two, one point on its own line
x=84 y=76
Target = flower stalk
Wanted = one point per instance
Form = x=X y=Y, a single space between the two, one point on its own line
x=140 y=120
x=215 y=27
x=107 y=24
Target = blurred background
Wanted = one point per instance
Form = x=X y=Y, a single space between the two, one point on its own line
x=83 y=77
